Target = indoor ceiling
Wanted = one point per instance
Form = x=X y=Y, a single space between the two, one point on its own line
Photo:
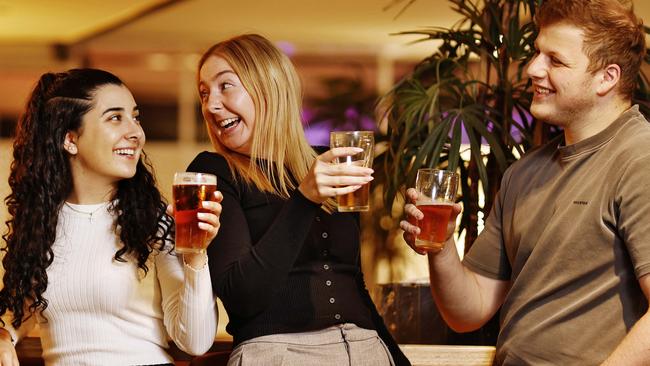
x=146 y=42
x=191 y=25
x=40 y=21
x=187 y=24
x=168 y=26
x=139 y=39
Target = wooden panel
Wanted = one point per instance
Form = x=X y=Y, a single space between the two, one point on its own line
x=430 y=355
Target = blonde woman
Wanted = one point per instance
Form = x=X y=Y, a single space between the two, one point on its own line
x=285 y=263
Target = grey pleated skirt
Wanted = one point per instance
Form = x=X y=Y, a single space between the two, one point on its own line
x=340 y=345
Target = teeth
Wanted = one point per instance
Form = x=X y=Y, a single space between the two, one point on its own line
x=228 y=121
x=129 y=152
x=540 y=90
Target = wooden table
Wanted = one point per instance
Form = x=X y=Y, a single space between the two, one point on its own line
x=441 y=355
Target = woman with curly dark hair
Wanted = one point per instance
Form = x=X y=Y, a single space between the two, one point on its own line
x=88 y=250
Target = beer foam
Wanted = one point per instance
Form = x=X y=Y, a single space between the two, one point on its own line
x=429 y=203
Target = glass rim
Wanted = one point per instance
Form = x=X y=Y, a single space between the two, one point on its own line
x=435 y=170
x=351 y=132
x=194 y=178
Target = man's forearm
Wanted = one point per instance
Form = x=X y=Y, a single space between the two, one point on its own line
x=635 y=347
x=464 y=299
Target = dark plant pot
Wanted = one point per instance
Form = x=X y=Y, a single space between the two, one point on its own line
x=412 y=317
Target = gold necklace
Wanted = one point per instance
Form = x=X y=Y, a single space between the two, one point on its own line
x=89 y=213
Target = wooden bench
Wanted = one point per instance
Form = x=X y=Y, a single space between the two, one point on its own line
x=29 y=354
x=442 y=355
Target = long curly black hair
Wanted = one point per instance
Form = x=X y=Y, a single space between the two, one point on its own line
x=41 y=180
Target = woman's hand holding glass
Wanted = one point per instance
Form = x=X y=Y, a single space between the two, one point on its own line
x=208 y=221
x=327 y=179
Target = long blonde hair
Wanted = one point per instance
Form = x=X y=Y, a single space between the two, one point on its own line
x=280 y=154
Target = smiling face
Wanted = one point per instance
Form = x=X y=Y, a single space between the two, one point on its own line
x=107 y=147
x=226 y=105
x=564 y=90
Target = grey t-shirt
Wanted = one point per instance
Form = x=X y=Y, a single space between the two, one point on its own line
x=570 y=229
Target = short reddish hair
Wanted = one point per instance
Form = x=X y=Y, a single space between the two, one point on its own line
x=612 y=34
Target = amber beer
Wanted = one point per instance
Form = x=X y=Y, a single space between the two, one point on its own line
x=355 y=201
x=433 y=226
x=189 y=190
x=436 y=196
x=359 y=199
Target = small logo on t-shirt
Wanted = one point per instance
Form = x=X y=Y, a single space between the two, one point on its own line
x=583 y=203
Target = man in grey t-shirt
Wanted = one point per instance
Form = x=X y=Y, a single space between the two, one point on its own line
x=565 y=252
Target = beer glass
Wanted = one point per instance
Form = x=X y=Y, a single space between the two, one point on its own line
x=436 y=195
x=189 y=190
x=357 y=200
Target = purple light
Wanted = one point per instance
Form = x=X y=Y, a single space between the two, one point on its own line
x=287 y=47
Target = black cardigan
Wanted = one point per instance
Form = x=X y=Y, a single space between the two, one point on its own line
x=285 y=265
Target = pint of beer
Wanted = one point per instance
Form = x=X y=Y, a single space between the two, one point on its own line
x=359 y=199
x=437 y=193
x=189 y=190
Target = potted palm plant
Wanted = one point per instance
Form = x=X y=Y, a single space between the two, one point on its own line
x=470 y=93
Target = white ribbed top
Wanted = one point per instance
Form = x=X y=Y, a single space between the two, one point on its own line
x=104 y=312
